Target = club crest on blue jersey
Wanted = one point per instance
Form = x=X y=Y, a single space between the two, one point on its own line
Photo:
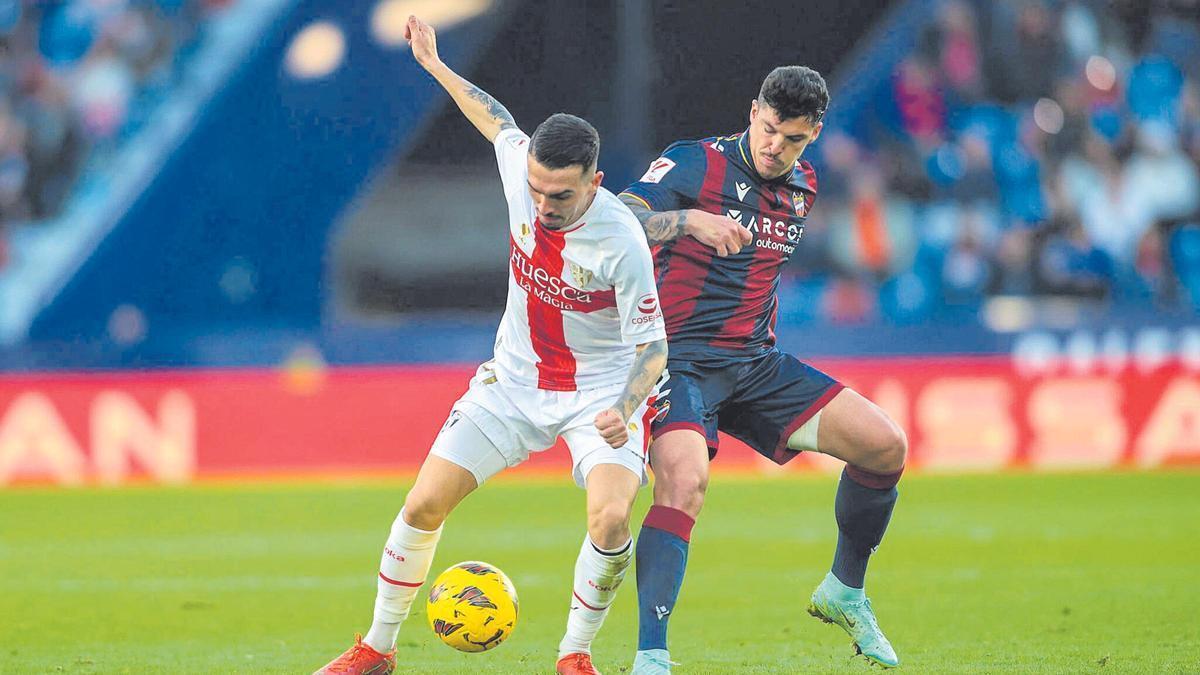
x=799 y=203
x=661 y=407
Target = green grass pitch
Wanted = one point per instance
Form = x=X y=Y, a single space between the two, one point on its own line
x=1007 y=573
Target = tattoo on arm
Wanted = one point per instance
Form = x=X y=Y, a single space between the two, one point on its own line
x=647 y=367
x=660 y=226
x=494 y=107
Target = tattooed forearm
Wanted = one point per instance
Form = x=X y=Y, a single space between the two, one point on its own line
x=647 y=367
x=478 y=106
x=494 y=108
x=660 y=227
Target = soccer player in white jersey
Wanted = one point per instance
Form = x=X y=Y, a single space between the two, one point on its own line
x=578 y=353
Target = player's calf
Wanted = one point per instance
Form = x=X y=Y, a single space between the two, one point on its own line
x=405 y=563
x=863 y=508
x=604 y=558
x=598 y=574
x=412 y=540
x=680 y=462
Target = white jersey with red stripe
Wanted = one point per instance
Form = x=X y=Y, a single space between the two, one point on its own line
x=580 y=299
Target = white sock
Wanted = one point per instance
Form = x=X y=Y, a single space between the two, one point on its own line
x=598 y=574
x=402 y=570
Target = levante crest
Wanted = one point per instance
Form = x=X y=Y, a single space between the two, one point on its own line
x=799 y=203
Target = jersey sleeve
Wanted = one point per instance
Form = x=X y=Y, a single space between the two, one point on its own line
x=673 y=181
x=637 y=295
x=512 y=146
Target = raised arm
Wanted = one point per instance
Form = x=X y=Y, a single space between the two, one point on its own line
x=647 y=367
x=724 y=234
x=485 y=112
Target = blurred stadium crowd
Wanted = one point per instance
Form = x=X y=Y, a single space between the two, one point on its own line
x=1027 y=149
x=76 y=77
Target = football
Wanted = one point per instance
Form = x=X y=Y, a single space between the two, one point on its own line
x=472 y=606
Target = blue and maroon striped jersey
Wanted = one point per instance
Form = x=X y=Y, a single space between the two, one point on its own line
x=728 y=302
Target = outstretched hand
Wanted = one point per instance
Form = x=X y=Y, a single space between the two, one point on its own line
x=423 y=40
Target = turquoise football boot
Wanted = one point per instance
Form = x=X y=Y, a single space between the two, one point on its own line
x=652 y=662
x=834 y=602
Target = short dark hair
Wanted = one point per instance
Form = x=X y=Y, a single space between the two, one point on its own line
x=565 y=140
x=795 y=91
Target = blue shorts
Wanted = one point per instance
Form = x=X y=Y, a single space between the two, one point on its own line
x=761 y=400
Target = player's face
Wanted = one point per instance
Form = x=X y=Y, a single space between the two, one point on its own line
x=561 y=195
x=776 y=143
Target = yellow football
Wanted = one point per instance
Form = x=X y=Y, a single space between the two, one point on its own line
x=472 y=606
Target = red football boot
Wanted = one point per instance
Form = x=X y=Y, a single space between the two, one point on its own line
x=360 y=659
x=576 y=664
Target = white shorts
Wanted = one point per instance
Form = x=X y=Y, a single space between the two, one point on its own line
x=520 y=420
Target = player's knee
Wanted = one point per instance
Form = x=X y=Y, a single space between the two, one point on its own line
x=892 y=450
x=608 y=525
x=424 y=512
x=683 y=491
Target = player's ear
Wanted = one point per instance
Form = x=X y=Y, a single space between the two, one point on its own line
x=753 y=109
x=597 y=178
x=817 y=132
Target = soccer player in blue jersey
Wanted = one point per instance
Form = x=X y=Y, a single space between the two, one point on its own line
x=724 y=215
